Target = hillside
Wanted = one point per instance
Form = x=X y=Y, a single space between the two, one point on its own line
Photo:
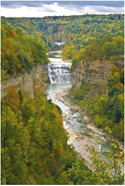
x=20 y=51
x=80 y=30
x=34 y=143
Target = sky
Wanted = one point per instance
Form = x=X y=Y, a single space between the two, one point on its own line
x=59 y=8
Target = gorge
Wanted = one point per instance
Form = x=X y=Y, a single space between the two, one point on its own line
x=62 y=100
x=82 y=137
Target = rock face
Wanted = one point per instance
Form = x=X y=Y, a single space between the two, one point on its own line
x=27 y=82
x=95 y=72
x=91 y=71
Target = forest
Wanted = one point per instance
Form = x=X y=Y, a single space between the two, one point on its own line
x=78 y=30
x=20 y=51
x=34 y=142
x=35 y=150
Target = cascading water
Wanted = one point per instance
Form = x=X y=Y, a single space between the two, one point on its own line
x=59 y=71
x=80 y=136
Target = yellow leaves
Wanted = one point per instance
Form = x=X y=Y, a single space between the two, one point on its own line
x=114 y=145
x=8 y=43
x=114 y=69
x=30 y=36
x=122 y=126
x=31 y=180
x=98 y=120
x=8 y=120
x=69 y=51
x=83 y=36
x=116 y=76
x=2 y=29
x=121 y=87
x=33 y=50
x=89 y=33
x=80 y=54
x=108 y=130
x=118 y=37
x=86 y=40
x=58 y=116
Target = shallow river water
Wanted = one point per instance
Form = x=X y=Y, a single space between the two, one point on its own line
x=81 y=137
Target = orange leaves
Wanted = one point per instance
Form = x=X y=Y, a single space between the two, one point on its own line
x=12 y=98
x=74 y=36
x=13 y=33
x=40 y=39
x=92 y=48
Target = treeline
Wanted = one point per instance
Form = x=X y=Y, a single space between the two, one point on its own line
x=35 y=150
x=20 y=51
x=106 y=48
x=78 y=30
x=84 y=29
x=94 y=37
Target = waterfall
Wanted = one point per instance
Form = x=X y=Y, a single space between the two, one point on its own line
x=59 y=72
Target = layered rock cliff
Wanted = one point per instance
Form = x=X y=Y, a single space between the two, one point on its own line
x=94 y=72
x=27 y=82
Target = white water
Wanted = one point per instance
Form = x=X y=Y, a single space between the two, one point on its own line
x=59 y=71
x=59 y=43
x=80 y=137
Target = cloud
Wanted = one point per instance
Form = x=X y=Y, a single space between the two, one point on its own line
x=56 y=9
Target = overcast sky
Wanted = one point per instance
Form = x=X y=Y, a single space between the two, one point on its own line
x=59 y=8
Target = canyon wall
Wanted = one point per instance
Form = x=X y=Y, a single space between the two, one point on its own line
x=27 y=82
x=94 y=72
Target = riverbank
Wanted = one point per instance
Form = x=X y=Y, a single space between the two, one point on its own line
x=86 y=119
x=83 y=143
x=84 y=136
x=90 y=125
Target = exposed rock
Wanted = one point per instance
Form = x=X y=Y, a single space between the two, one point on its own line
x=86 y=119
x=94 y=72
x=95 y=129
x=64 y=115
x=27 y=82
x=75 y=115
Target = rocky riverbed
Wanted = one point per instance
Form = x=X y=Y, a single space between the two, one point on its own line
x=83 y=134
x=84 y=118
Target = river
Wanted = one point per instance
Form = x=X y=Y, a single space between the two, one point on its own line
x=82 y=137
